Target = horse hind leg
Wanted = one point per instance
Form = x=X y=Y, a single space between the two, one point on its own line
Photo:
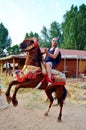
x=60 y=102
x=8 y=97
x=50 y=97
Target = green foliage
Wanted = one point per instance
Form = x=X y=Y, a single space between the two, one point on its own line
x=45 y=34
x=31 y=34
x=74 y=28
x=13 y=50
x=71 y=33
x=5 y=41
x=54 y=31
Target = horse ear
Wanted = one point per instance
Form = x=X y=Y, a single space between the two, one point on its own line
x=26 y=40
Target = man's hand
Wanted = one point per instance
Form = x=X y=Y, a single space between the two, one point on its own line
x=46 y=51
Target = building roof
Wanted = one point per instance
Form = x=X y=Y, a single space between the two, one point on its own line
x=78 y=54
x=67 y=53
x=19 y=56
x=70 y=54
x=73 y=52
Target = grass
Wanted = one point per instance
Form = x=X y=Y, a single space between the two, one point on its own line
x=36 y=96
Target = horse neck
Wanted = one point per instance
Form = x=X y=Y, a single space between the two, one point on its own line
x=33 y=59
x=28 y=60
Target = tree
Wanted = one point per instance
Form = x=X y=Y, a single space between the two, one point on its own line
x=45 y=41
x=31 y=34
x=54 y=31
x=74 y=28
x=13 y=50
x=5 y=41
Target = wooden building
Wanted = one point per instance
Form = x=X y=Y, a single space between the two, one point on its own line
x=12 y=60
x=73 y=62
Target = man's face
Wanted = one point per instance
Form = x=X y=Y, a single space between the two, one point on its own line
x=54 y=41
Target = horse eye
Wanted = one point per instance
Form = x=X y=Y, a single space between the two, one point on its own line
x=31 y=41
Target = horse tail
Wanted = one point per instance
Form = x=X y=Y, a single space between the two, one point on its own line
x=64 y=95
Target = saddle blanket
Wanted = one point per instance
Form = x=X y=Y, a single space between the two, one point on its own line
x=28 y=72
x=58 y=77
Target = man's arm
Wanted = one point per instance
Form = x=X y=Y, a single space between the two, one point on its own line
x=56 y=52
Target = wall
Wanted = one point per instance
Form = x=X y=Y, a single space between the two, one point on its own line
x=68 y=66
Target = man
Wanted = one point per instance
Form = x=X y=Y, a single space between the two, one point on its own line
x=50 y=59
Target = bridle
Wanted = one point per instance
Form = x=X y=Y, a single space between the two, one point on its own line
x=35 y=44
x=29 y=49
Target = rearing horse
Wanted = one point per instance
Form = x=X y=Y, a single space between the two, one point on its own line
x=34 y=59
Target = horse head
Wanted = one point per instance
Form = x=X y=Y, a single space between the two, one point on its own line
x=29 y=44
x=31 y=47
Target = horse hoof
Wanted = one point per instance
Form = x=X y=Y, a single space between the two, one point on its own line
x=46 y=114
x=15 y=103
x=59 y=120
x=9 y=99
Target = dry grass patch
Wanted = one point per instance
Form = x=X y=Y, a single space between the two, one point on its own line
x=35 y=96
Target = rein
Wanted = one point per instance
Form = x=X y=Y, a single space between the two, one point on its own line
x=33 y=57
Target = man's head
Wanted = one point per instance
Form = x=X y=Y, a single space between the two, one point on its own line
x=54 y=41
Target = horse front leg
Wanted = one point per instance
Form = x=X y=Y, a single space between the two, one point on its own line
x=14 y=99
x=50 y=97
x=8 y=97
x=60 y=101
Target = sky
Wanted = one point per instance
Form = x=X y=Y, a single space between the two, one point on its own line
x=23 y=16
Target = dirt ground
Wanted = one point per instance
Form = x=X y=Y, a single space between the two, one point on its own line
x=29 y=114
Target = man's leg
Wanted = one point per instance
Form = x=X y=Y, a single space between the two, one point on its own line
x=49 y=68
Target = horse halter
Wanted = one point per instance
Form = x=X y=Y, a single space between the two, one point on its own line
x=35 y=44
x=31 y=50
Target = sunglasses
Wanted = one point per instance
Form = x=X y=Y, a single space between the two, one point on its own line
x=54 y=40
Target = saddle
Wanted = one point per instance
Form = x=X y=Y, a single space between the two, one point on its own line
x=57 y=76
x=30 y=72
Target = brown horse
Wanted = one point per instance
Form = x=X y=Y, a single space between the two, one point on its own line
x=34 y=58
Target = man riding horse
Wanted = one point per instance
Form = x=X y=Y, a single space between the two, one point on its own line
x=33 y=76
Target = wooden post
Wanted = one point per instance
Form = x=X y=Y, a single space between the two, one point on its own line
x=65 y=65
x=77 y=58
x=13 y=66
x=1 y=68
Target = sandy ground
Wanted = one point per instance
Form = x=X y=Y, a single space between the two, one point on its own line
x=29 y=114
